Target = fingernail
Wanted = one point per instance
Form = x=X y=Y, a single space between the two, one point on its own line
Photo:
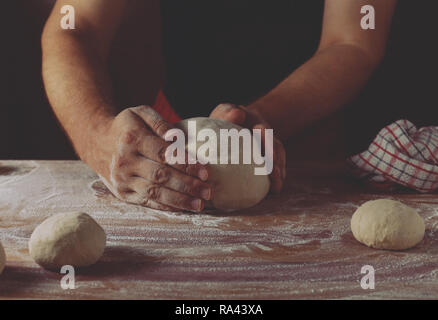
x=196 y=204
x=203 y=174
x=227 y=106
x=206 y=193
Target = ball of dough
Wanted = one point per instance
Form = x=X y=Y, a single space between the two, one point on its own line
x=2 y=258
x=235 y=186
x=72 y=238
x=387 y=224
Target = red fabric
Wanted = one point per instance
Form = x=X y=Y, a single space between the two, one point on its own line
x=162 y=106
x=402 y=155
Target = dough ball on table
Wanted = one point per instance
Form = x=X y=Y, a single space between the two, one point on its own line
x=387 y=224
x=72 y=238
x=2 y=258
x=235 y=186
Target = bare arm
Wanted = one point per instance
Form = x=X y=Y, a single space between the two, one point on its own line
x=74 y=68
x=344 y=61
x=126 y=149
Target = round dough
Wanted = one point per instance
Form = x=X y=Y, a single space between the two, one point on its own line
x=387 y=224
x=2 y=258
x=72 y=238
x=235 y=186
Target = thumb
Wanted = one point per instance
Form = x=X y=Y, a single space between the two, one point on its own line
x=229 y=112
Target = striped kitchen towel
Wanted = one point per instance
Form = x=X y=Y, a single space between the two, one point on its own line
x=400 y=155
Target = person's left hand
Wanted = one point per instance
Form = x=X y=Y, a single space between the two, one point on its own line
x=250 y=119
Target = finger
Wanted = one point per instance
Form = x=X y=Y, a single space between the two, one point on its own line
x=160 y=128
x=165 y=175
x=156 y=193
x=155 y=148
x=280 y=155
x=265 y=144
x=136 y=198
x=153 y=120
x=278 y=174
x=276 y=181
x=229 y=112
x=253 y=117
x=281 y=158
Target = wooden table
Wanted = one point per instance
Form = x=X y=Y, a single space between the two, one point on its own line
x=297 y=245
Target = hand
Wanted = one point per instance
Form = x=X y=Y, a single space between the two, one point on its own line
x=130 y=158
x=250 y=119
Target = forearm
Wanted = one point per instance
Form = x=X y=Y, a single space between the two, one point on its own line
x=78 y=88
x=329 y=80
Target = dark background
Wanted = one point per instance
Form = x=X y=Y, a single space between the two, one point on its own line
x=404 y=86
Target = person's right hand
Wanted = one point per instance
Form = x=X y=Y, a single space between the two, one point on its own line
x=130 y=158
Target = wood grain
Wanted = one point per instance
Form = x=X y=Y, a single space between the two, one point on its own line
x=297 y=245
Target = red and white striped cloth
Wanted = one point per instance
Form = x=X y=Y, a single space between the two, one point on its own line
x=403 y=155
x=400 y=155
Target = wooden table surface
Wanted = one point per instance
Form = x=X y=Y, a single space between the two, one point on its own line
x=297 y=245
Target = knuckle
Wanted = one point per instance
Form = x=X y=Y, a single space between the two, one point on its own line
x=190 y=187
x=158 y=125
x=183 y=201
x=160 y=175
x=130 y=137
x=143 y=108
x=185 y=188
x=125 y=113
x=153 y=192
x=186 y=168
x=162 y=154
x=120 y=177
x=119 y=173
x=120 y=162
